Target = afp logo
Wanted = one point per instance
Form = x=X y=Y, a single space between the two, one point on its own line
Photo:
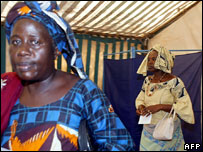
x=192 y=146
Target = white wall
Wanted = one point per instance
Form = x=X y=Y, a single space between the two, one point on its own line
x=184 y=34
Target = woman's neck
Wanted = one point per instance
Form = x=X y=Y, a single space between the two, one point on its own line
x=41 y=85
x=158 y=76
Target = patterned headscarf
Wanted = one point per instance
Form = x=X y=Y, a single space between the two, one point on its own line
x=44 y=12
x=164 y=60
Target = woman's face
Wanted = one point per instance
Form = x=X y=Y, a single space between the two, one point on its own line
x=31 y=50
x=151 y=60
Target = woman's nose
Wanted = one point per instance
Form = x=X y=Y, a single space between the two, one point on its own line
x=23 y=50
x=150 y=61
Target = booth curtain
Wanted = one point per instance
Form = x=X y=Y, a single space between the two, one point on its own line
x=189 y=68
x=122 y=85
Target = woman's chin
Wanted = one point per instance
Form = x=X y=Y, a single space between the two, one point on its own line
x=151 y=69
x=27 y=76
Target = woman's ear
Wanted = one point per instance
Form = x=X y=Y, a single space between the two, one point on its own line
x=55 y=50
x=56 y=53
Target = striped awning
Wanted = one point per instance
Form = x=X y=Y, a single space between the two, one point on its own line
x=134 y=19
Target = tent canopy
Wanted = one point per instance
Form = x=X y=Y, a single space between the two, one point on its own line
x=128 y=19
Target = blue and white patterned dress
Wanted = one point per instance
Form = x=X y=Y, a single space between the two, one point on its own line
x=55 y=125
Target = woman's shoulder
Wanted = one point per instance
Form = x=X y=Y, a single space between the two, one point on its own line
x=171 y=76
x=80 y=86
x=81 y=83
x=174 y=78
x=88 y=85
x=176 y=82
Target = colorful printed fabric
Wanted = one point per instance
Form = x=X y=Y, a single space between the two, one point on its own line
x=55 y=126
x=164 y=60
x=171 y=92
x=148 y=143
x=44 y=12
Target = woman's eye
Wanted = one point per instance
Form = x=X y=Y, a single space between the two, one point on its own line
x=15 y=42
x=34 y=42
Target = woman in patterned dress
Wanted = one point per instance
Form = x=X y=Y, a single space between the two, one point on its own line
x=42 y=107
x=161 y=92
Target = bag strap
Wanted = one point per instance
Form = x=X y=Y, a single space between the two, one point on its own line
x=169 y=114
x=174 y=113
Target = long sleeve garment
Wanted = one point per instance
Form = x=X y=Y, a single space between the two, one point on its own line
x=171 y=92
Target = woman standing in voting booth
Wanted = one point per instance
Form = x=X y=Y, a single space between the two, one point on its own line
x=161 y=92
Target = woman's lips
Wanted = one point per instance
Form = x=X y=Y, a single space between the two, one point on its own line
x=150 y=67
x=24 y=66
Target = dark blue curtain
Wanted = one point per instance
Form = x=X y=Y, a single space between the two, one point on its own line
x=189 y=68
x=122 y=85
